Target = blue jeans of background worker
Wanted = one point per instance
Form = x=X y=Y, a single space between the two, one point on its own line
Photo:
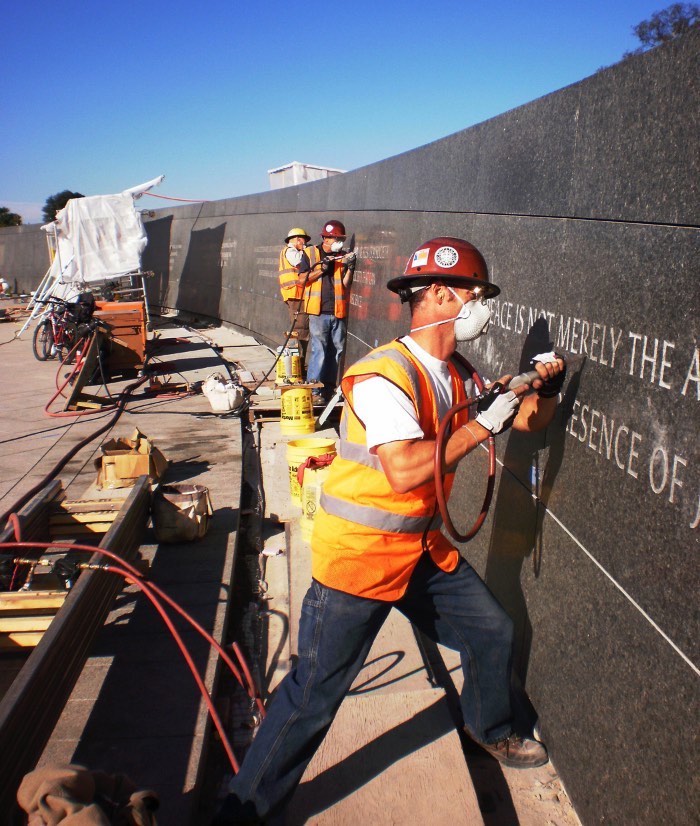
x=336 y=633
x=326 y=345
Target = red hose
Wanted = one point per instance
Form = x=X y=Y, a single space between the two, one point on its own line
x=439 y=468
x=75 y=413
x=152 y=589
x=248 y=684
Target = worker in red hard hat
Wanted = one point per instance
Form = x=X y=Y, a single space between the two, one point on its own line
x=327 y=298
x=377 y=542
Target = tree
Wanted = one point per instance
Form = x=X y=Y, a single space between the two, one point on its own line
x=666 y=25
x=56 y=202
x=9 y=219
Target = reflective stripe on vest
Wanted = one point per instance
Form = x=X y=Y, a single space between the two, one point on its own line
x=381 y=520
x=358 y=454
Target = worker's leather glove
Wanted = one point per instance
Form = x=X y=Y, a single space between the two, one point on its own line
x=497 y=409
x=350 y=257
x=552 y=387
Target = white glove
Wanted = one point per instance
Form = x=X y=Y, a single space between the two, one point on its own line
x=496 y=412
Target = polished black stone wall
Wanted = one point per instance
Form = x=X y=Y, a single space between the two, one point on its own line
x=585 y=205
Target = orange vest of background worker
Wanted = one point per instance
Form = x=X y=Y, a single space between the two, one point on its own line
x=312 y=303
x=367 y=537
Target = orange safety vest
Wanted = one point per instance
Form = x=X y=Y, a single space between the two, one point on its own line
x=289 y=275
x=368 y=538
x=342 y=294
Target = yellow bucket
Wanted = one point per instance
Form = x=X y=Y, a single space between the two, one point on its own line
x=298 y=451
x=310 y=498
x=297 y=414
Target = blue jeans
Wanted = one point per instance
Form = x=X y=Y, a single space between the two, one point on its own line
x=327 y=342
x=336 y=632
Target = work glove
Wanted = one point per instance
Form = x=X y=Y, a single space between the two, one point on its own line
x=497 y=409
x=552 y=387
x=349 y=258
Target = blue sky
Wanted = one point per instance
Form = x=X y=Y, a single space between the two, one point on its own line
x=98 y=97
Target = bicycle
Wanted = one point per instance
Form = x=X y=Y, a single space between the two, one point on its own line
x=57 y=332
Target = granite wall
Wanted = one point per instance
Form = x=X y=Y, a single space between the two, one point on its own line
x=585 y=205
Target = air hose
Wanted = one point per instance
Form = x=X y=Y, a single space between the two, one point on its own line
x=443 y=434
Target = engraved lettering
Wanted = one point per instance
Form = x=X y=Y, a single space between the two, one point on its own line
x=563 y=333
x=676 y=481
x=615 y=345
x=585 y=326
x=668 y=345
x=574 y=334
x=693 y=374
x=594 y=342
x=626 y=430
x=659 y=452
x=633 y=454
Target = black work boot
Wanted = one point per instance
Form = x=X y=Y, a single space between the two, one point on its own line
x=518 y=752
x=235 y=813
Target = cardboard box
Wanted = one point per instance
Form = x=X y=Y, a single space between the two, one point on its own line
x=124 y=460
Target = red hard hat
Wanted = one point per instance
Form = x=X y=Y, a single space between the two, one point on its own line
x=453 y=261
x=333 y=229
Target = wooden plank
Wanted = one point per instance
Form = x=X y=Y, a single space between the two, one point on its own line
x=77 y=518
x=31 y=600
x=19 y=641
x=58 y=531
x=10 y=625
x=88 y=505
x=85 y=373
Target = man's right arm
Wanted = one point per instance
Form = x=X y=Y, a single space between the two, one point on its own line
x=411 y=463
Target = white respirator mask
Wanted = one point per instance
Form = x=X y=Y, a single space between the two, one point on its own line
x=294 y=255
x=471 y=321
x=336 y=246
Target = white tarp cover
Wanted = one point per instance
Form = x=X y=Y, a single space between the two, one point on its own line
x=99 y=237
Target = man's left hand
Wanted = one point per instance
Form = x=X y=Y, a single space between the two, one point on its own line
x=551 y=368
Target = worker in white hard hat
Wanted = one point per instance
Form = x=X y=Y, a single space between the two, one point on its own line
x=295 y=263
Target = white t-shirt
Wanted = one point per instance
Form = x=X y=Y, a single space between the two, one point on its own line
x=387 y=413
